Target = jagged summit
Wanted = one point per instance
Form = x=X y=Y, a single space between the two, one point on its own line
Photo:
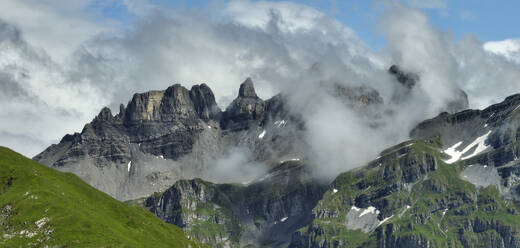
x=126 y=155
x=246 y=108
x=247 y=89
x=172 y=104
x=407 y=80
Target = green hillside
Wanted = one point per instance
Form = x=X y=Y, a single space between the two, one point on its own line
x=40 y=206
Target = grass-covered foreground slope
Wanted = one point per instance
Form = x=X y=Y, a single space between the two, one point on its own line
x=410 y=198
x=43 y=207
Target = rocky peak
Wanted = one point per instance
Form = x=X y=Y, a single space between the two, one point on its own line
x=104 y=115
x=144 y=107
x=204 y=102
x=245 y=108
x=406 y=79
x=173 y=104
x=176 y=104
x=247 y=89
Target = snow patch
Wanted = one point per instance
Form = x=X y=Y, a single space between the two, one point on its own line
x=486 y=125
x=161 y=156
x=209 y=127
x=452 y=151
x=262 y=134
x=385 y=220
x=355 y=208
x=129 y=166
x=284 y=219
x=291 y=159
x=456 y=155
x=370 y=209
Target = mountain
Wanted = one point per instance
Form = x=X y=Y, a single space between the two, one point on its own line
x=454 y=185
x=41 y=207
x=161 y=137
x=263 y=213
x=165 y=151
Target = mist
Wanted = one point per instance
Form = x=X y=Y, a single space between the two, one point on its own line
x=284 y=47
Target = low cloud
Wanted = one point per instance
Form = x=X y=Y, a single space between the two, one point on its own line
x=283 y=46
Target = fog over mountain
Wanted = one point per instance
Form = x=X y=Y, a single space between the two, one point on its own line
x=283 y=47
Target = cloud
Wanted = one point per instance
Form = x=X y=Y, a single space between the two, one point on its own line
x=38 y=99
x=58 y=26
x=509 y=48
x=283 y=46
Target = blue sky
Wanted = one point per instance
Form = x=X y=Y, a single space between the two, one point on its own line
x=485 y=19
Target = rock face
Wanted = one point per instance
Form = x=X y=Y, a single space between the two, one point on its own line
x=111 y=152
x=246 y=110
x=455 y=185
x=266 y=211
x=160 y=137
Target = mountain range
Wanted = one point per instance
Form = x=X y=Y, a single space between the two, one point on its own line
x=244 y=176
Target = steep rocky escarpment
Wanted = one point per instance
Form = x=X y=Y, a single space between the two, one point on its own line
x=263 y=213
x=410 y=198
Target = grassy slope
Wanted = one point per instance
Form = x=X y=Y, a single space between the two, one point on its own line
x=77 y=215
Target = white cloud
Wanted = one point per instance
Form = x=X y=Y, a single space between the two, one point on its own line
x=58 y=26
x=509 y=48
x=282 y=46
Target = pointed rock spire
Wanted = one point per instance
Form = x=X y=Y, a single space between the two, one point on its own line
x=247 y=89
x=104 y=115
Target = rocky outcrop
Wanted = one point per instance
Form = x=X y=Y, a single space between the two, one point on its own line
x=246 y=110
x=266 y=211
x=195 y=206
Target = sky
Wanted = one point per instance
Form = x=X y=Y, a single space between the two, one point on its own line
x=61 y=61
x=485 y=19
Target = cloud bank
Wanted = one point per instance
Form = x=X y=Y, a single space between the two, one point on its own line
x=283 y=46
